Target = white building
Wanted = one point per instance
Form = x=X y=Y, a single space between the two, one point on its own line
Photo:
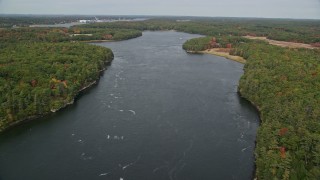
x=84 y=21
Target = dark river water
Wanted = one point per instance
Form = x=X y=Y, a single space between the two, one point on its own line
x=157 y=113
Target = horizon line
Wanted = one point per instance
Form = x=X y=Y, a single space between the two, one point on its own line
x=196 y=16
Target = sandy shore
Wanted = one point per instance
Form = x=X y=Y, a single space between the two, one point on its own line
x=223 y=52
x=93 y=41
x=283 y=43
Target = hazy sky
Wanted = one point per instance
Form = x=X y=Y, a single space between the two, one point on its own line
x=229 y=8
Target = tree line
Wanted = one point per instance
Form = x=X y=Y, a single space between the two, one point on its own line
x=17 y=35
x=304 y=31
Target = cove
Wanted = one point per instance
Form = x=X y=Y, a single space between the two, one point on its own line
x=157 y=113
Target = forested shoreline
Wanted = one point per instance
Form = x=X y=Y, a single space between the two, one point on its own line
x=39 y=78
x=43 y=69
x=283 y=83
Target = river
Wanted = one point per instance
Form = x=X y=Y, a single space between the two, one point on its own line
x=157 y=113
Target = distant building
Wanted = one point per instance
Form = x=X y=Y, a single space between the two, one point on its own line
x=107 y=36
x=183 y=20
x=84 y=21
x=213 y=43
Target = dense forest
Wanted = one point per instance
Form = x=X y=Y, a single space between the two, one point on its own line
x=40 y=74
x=284 y=84
x=36 y=78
